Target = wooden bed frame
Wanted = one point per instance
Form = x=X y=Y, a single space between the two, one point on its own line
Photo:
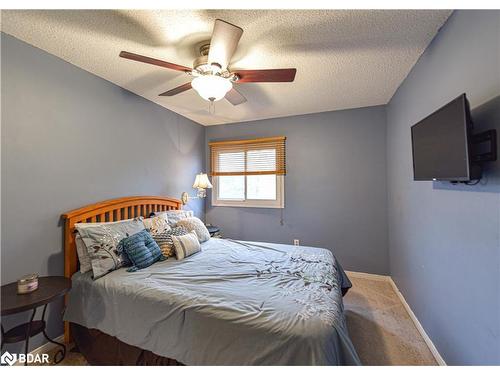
x=106 y=211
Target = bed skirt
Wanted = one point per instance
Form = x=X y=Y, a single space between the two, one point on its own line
x=101 y=349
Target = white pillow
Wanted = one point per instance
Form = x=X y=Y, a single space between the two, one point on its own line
x=157 y=224
x=196 y=225
x=186 y=245
x=173 y=216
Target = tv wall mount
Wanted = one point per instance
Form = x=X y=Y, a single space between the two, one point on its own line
x=484 y=146
x=483 y=150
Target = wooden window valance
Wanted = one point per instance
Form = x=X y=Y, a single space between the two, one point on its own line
x=248 y=157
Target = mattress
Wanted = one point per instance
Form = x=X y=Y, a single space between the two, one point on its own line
x=233 y=303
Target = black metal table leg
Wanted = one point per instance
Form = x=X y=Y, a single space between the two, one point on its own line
x=3 y=342
x=28 y=335
x=61 y=352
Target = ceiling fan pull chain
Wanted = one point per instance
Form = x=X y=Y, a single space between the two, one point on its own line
x=211 y=107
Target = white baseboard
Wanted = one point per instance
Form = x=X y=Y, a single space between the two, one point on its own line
x=419 y=327
x=45 y=348
x=408 y=309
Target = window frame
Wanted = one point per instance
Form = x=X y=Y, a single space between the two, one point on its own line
x=279 y=202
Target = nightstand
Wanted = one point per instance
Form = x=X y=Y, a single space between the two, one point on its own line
x=49 y=289
x=214 y=231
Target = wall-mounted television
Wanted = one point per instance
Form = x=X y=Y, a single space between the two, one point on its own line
x=442 y=147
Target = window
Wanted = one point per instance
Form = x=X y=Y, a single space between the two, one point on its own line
x=248 y=173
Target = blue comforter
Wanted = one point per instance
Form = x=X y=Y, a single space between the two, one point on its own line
x=233 y=303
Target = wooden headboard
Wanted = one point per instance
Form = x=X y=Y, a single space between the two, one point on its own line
x=110 y=210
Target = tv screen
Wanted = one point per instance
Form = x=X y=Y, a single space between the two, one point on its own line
x=440 y=144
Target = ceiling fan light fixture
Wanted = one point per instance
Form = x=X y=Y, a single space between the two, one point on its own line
x=211 y=87
x=211 y=78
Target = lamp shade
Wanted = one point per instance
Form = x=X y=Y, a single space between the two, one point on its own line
x=211 y=87
x=202 y=182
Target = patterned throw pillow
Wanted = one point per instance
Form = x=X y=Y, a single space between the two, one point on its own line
x=186 y=245
x=141 y=250
x=157 y=224
x=164 y=240
x=193 y=223
x=81 y=249
x=173 y=216
x=102 y=240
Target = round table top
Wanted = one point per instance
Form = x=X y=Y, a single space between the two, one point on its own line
x=49 y=288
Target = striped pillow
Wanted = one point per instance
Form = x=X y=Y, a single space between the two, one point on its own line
x=186 y=245
x=164 y=240
x=141 y=250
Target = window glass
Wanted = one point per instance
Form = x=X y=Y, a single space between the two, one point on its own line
x=231 y=187
x=261 y=187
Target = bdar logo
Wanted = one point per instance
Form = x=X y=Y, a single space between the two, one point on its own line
x=8 y=359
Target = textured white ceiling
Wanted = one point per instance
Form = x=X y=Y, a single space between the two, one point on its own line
x=344 y=58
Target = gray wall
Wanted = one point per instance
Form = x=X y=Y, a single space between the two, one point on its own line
x=335 y=188
x=444 y=240
x=69 y=139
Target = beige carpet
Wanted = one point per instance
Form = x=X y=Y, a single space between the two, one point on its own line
x=379 y=326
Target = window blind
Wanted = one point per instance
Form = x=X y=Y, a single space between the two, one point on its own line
x=259 y=156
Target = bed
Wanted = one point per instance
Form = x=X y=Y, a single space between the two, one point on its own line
x=233 y=303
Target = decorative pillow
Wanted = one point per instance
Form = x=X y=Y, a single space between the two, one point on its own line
x=141 y=249
x=157 y=224
x=193 y=223
x=81 y=249
x=164 y=240
x=173 y=216
x=101 y=240
x=83 y=255
x=186 y=245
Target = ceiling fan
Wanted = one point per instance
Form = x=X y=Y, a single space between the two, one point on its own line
x=213 y=80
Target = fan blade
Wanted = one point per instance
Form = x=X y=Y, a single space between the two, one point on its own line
x=150 y=60
x=225 y=38
x=177 y=90
x=265 y=75
x=235 y=97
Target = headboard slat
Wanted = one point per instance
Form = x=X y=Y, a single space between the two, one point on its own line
x=110 y=210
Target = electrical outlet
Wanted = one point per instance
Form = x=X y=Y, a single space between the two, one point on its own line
x=296 y=242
